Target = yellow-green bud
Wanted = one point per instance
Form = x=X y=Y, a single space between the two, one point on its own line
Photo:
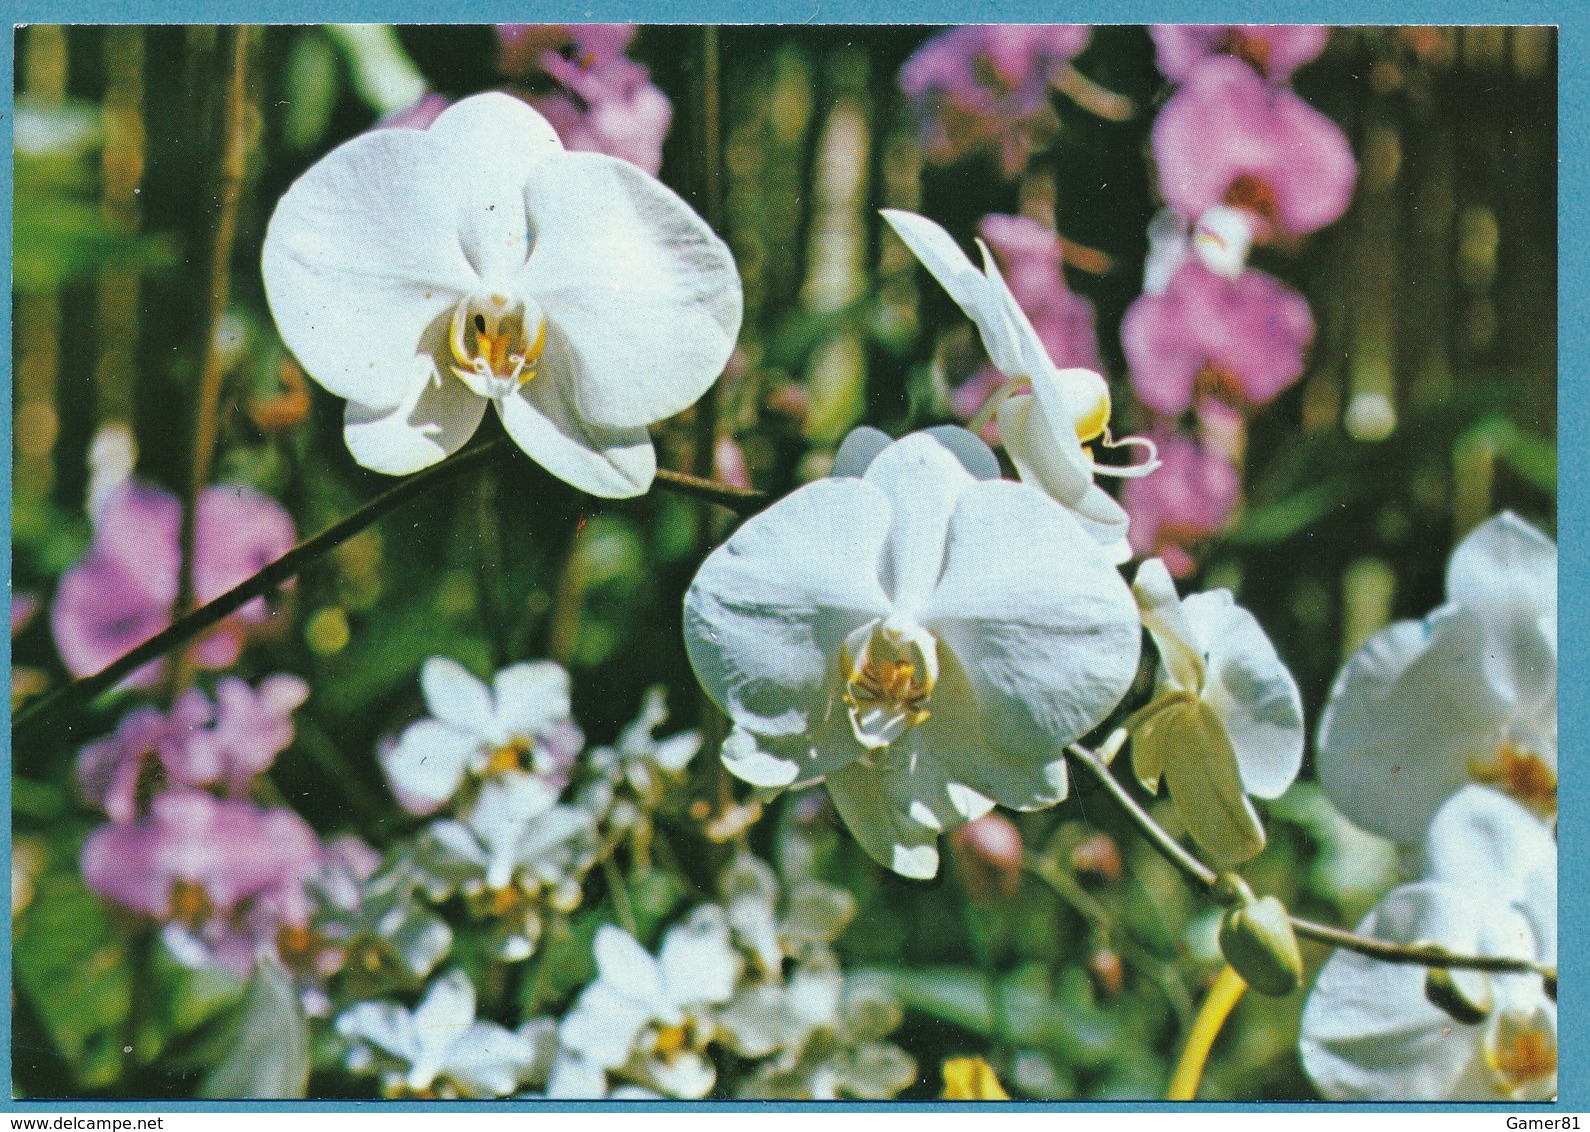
x=1257 y=940
x=1465 y=995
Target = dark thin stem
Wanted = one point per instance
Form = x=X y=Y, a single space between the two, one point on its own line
x=708 y=188
x=27 y=721
x=1411 y=954
x=1169 y=848
x=228 y=192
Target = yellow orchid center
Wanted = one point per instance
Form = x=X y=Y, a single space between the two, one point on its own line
x=512 y=755
x=1522 y=1054
x=1521 y=773
x=190 y=904
x=890 y=671
x=496 y=342
x=671 y=1041
x=298 y=947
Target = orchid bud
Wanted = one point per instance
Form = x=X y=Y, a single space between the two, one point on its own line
x=988 y=852
x=1256 y=938
x=1099 y=856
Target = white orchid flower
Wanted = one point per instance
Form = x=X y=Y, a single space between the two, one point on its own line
x=515 y=851
x=438 y=1049
x=1371 y=1032
x=423 y=274
x=1225 y=720
x=922 y=634
x=475 y=731
x=649 y=1019
x=1469 y=694
x=1044 y=431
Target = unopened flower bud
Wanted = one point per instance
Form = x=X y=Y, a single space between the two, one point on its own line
x=1465 y=995
x=1256 y=938
x=1107 y=972
x=1098 y=855
x=988 y=852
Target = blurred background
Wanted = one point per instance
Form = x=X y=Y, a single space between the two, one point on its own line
x=1428 y=403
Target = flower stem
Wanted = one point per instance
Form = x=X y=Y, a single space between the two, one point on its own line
x=1200 y=874
x=229 y=191
x=27 y=721
x=707 y=127
x=1212 y=1015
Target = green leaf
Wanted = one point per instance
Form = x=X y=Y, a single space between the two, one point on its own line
x=269 y=1058
x=72 y=966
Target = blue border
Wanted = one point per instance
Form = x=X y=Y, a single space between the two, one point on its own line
x=1573 y=411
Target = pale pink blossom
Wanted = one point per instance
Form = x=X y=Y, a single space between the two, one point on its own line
x=986 y=88
x=1274 y=50
x=1182 y=504
x=122 y=592
x=1227 y=137
x=1239 y=341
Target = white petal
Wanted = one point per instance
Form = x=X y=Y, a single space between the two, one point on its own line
x=366 y=250
x=602 y=1026
x=1489 y=846
x=982 y=299
x=1251 y=691
x=488 y=1060
x=628 y=968
x=613 y=463
x=385 y=1025
x=1106 y=522
x=572 y=1077
x=1222 y=239
x=1504 y=561
x=747 y=762
x=1407 y=714
x=1168 y=248
x=1047 y=454
x=858 y=450
x=436 y=418
x=1043 y=625
x=506 y=806
x=1505 y=571
x=529 y=697
x=698 y=963
x=768 y=611
x=922 y=480
x=967 y=447
x=979 y=775
x=429 y=761
x=875 y=807
x=1368 y=1032
x=1180 y=648
x=688 y=1076
x=446 y=1011
x=457 y=698
x=645 y=294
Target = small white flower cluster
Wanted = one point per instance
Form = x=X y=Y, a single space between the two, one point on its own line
x=491 y=766
x=756 y=975
x=1441 y=734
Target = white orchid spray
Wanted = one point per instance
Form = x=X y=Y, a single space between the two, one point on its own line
x=520 y=724
x=1046 y=429
x=515 y=856
x=1468 y=694
x=423 y=274
x=1374 y=1031
x=1225 y=720
x=648 y=1020
x=923 y=635
x=438 y=1049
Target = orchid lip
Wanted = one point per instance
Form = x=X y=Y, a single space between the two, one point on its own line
x=891 y=668
x=496 y=342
